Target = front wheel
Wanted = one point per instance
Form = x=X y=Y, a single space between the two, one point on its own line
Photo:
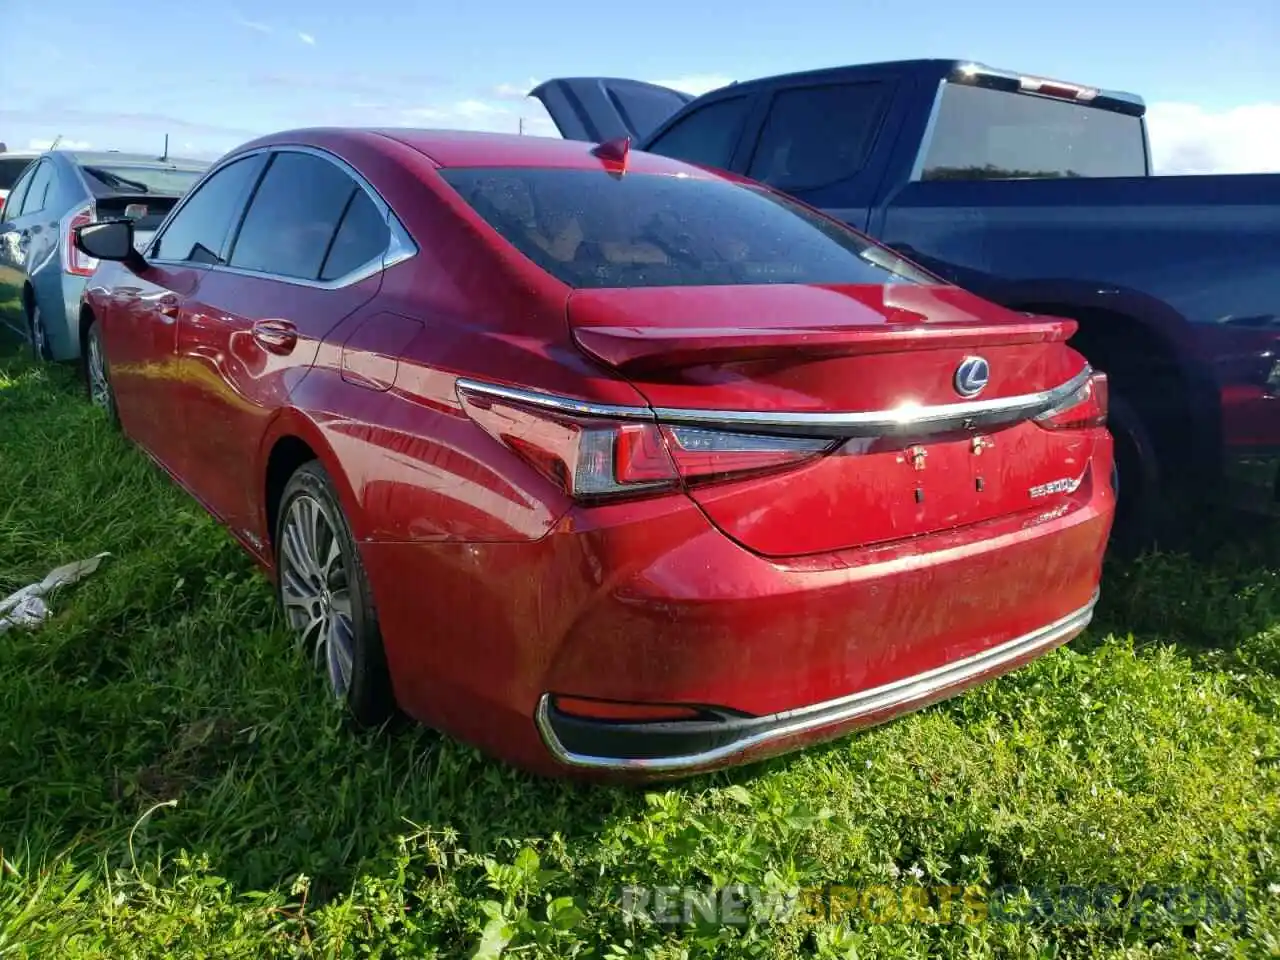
x=97 y=374
x=324 y=594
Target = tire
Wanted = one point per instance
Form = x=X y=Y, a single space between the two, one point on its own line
x=1142 y=494
x=37 y=333
x=97 y=373
x=324 y=596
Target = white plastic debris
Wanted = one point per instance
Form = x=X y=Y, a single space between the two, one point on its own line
x=27 y=608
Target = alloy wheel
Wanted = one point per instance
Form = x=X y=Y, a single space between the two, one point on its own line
x=99 y=390
x=315 y=589
x=39 y=342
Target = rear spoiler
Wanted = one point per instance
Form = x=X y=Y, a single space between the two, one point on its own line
x=656 y=348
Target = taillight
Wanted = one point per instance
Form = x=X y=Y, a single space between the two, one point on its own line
x=594 y=457
x=1086 y=407
x=74 y=262
x=712 y=454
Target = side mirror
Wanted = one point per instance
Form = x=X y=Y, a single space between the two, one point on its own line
x=109 y=240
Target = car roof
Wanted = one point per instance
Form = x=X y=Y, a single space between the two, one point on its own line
x=115 y=157
x=467 y=148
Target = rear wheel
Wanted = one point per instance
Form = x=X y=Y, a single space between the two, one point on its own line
x=324 y=594
x=36 y=332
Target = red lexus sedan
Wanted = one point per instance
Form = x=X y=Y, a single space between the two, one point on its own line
x=595 y=459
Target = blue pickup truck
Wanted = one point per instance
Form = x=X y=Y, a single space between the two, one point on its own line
x=1039 y=195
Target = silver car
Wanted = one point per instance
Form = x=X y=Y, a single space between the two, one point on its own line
x=41 y=272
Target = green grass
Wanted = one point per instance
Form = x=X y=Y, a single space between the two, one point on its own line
x=174 y=781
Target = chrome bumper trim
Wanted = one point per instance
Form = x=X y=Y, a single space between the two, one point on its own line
x=788 y=723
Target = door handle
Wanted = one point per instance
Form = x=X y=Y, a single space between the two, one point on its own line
x=168 y=308
x=276 y=336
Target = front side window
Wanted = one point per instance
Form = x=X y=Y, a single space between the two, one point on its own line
x=590 y=229
x=817 y=136
x=707 y=136
x=986 y=134
x=198 y=231
x=293 y=217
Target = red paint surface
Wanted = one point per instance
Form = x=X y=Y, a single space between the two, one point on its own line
x=493 y=586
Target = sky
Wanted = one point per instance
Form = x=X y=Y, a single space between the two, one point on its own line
x=214 y=76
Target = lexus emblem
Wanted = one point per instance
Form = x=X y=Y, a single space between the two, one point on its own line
x=972 y=376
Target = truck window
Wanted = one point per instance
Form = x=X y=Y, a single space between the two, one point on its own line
x=817 y=136
x=986 y=134
x=707 y=136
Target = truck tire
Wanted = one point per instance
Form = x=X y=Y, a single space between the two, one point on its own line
x=1142 y=492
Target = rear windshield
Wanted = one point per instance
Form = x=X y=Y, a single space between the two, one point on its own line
x=986 y=134
x=590 y=229
x=130 y=178
x=11 y=169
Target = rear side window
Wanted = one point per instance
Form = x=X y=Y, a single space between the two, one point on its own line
x=817 y=136
x=198 y=232
x=590 y=229
x=11 y=169
x=38 y=192
x=293 y=216
x=362 y=236
x=707 y=136
x=986 y=134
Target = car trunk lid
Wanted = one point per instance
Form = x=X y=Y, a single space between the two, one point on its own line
x=879 y=372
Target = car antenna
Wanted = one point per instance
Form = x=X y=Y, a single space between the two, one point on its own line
x=56 y=140
x=614 y=153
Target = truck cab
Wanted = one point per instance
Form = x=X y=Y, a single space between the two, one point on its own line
x=1039 y=195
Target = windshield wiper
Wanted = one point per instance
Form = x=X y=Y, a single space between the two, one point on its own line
x=115 y=181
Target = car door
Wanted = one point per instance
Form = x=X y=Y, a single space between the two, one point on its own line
x=13 y=255
x=140 y=330
x=309 y=251
x=30 y=237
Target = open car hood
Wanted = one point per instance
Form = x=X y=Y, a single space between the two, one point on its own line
x=597 y=109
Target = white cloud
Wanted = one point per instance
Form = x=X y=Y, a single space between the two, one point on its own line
x=514 y=91
x=38 y=144
x=1186 y=138
x=483 y=115
x=307 y=38
x=250 y=24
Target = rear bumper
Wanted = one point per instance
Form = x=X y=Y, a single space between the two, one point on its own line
x=648 y=603
x=689 y=746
